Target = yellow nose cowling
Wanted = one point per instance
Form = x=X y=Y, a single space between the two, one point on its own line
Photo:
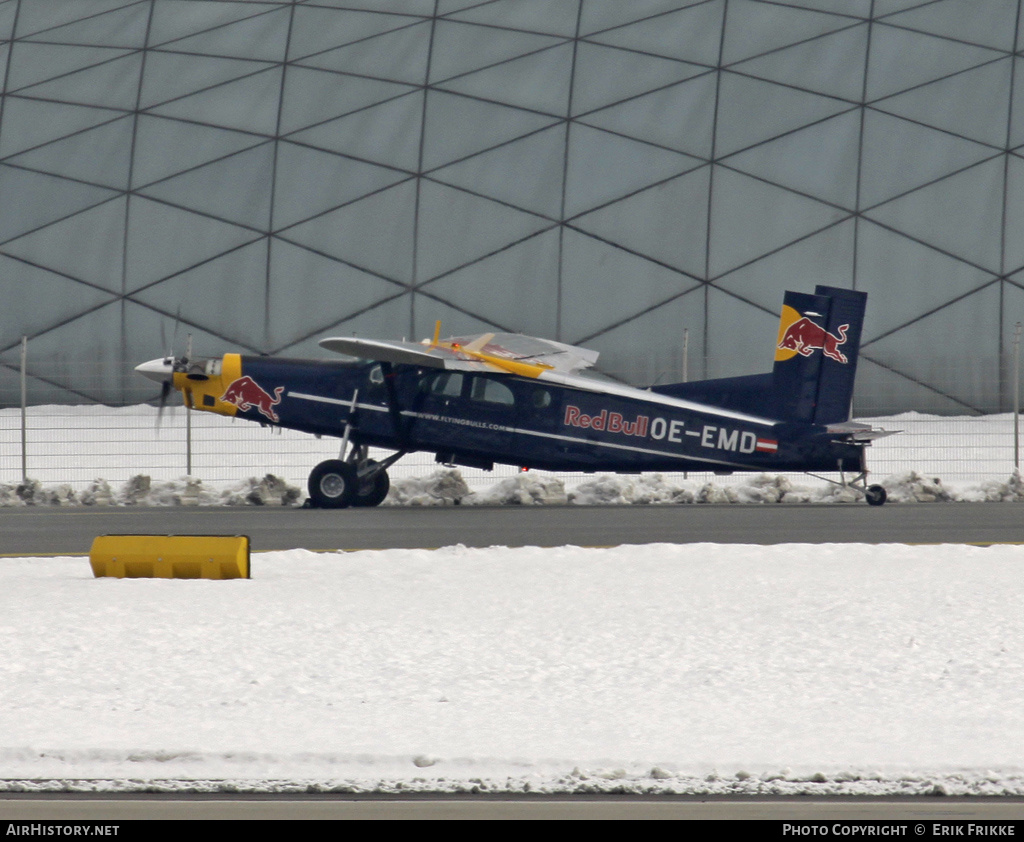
x=206 y=394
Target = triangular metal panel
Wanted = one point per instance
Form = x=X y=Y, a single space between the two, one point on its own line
x=954 y=350
x=98 y=156
x=236 y=188
x=647 y=349
x=851 y=8
x=607 y=75
x=310 y=182
x=754 y=28
x=601 y=17
x=32 y=200
x=408 y=7
x=396 y=56
x=961 y=215
x=679 y=117
x=112 y=84
x=308 y=293
x=388 y=320
x=263 y=37
x=750 y=219
x=550 y=17
x=741 y=338
x=176 y=19
x=537 y=82
x=882 y=390
x=819 y=161
x=88 y=245
x=526 y=173
x=249 y=104
x=990 y=24
x=692 y=34
x=31 y=123
x=1013 y=237
x=458 y=126
x=751 y=111
x=456 y=228
x=667 y=223
x=8 y=14
x=225 y=296
x=1017 y=106
x=832 y=64
x=824 y=258
x=315 y=30
x=171 y=76
x=515 y=289
x=602 y=285
x=455 y=321
x=125 y=27
x=974 y=104
x=374 y=234
x=924 y=279
x=898 y=156
x=36 y=300
x=165 y=147
x=603 y=167
x=387 y=134
x=35 y=18
x=890 y=73
x=314 y=97
x=164 y=241
x=460 y=48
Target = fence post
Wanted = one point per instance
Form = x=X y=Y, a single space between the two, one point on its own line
x=1016 y=397
x=24 y=401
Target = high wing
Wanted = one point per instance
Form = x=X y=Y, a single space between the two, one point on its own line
x=499 y=353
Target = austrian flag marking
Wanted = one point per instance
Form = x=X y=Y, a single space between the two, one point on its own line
x=767 y=446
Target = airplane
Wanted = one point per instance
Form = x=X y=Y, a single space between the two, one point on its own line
x=524 y=401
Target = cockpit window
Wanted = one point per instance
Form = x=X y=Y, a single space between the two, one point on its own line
x=486 y=390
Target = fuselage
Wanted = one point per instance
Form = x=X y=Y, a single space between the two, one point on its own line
x=561 y=422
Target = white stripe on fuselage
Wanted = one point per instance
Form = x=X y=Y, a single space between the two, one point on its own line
x=556 y=436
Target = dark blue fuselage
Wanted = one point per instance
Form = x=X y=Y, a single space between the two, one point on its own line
x=479 y=419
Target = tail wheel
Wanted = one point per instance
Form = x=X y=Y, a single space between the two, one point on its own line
x=332 y=484
x=372 y=490
x=875 y=495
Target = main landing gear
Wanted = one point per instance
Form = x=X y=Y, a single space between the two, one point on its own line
x=355 y=481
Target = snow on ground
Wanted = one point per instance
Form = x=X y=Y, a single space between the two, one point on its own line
x=662 y=668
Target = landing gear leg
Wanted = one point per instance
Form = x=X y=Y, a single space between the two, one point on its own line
x=874 y=495
x=372 y=478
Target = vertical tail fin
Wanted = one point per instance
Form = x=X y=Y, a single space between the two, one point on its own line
x=816 y=354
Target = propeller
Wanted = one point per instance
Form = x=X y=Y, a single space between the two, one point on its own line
x=163 y=370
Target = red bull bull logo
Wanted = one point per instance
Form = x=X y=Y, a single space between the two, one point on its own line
x=246 y=393
x=799 y=334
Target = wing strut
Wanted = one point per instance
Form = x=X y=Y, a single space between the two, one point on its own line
x=401 y=428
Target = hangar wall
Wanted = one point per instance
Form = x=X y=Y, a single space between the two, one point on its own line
x=263 y=174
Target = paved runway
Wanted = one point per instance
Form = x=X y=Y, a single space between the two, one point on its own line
x=46 y=531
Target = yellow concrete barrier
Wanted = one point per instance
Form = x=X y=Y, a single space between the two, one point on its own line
x=171 y=556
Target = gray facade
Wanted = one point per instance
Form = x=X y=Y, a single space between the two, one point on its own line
x=264 y=174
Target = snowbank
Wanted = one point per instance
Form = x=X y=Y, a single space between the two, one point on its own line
x=446 y=487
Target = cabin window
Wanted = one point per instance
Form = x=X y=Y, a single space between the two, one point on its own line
x=448 y=384
x=376 y=375
x=541 y=398
x=486 y=390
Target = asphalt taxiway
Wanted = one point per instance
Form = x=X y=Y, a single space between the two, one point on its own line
x=70 y=531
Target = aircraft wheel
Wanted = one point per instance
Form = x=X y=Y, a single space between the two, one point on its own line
x=875 y=495
x=372 y=491
x=332 y=484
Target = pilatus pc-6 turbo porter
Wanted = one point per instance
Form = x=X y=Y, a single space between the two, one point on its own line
x=522 y=401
